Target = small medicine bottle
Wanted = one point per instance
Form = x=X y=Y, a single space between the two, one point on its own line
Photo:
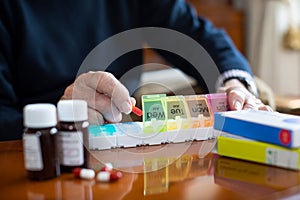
x=39 y=141
x=73 y=134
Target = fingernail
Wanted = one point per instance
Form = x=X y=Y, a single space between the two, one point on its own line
x=126 y=108
x=238 y=105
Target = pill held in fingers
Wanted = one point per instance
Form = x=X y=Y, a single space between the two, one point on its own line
x=104 y=176
x=83 y=173
x=137 y=111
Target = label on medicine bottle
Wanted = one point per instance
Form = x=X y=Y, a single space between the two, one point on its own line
x=71 y=149
x=32 y=152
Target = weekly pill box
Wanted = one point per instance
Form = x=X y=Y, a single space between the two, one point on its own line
x=166 y=119
x=130 y=134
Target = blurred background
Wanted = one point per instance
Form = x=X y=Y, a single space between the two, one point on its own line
x=267 y=32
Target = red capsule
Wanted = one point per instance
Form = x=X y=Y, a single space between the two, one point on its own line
x=137 y=111
x=83 y=173
x=108 y=176
x=107 y=168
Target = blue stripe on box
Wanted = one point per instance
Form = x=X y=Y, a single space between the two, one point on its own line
x=250 y=130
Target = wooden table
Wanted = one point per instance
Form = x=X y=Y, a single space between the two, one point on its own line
x=174 y=171
x=288 y=104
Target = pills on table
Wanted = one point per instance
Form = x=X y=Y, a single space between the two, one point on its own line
x=104 y=176
x=83 y=173
x=108 y=167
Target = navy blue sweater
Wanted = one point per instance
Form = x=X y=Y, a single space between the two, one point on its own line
x=43 y=43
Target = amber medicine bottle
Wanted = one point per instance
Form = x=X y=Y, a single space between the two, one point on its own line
x=73 y=134
x=39 y=141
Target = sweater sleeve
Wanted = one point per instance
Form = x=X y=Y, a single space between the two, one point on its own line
x=10 y=114
x=180 y=16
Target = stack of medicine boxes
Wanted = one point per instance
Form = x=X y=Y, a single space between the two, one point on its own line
x=265 y=137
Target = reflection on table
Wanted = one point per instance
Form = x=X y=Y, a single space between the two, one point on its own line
x=246 y=177
x=161 y=164
x=171 y=171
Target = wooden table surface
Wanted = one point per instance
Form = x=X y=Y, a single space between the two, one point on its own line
x=173 y=171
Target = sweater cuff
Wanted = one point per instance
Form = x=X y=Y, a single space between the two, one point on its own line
x=243 y=76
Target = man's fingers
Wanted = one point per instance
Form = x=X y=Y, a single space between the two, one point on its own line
x=120 y=97
x=95 y=117
x=109 y=100
x=236 y=99
x=251 y=103
x=240 y=98
x=106 y=83
x=104 y=105
x=267 y=108
x=100 y=102
x=103 y=82
x=133 y=101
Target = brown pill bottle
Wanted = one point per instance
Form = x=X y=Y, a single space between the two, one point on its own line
x=73 y=135
x=39 y=141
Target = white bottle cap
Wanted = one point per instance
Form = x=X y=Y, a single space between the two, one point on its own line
x=72 y=110
x=40 y=115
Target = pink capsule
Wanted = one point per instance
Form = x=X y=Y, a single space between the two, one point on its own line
x=83 y=173
x=104 y=176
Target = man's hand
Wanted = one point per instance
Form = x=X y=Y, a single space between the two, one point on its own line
x=239 y=98
x=107 y=97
